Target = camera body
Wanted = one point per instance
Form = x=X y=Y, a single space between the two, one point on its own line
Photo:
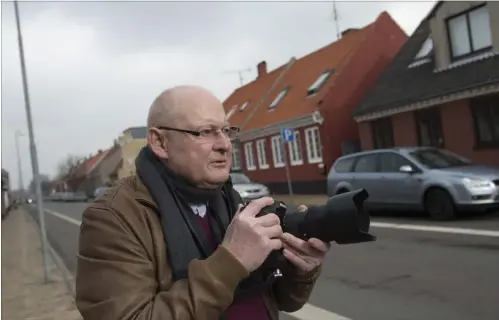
x=342 y=219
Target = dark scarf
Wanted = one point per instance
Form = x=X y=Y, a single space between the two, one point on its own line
x=184 y=237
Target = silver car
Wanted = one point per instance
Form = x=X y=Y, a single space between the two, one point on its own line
x=420 y=178
x=247 y=189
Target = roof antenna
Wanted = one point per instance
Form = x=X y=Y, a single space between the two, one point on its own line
x=240 y=72
x=336 y=22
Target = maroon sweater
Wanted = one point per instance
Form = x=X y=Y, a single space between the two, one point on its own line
x=252 y=308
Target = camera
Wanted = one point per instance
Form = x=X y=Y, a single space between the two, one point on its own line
x=342 y=219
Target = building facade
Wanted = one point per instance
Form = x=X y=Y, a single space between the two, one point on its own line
x=442 y=89
x=314 y=96
x=131 y=142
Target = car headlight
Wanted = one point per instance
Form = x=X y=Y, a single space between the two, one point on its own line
x=477 y=183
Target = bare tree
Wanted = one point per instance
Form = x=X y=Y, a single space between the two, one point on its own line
x=65 y=165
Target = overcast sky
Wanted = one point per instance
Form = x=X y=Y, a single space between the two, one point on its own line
x=95 y=67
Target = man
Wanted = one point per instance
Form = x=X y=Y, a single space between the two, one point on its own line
x=173 y=241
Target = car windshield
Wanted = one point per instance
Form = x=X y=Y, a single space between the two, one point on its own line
x=239 y=178
x=439 y=158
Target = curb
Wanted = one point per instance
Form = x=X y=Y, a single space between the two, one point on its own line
x=59 y=262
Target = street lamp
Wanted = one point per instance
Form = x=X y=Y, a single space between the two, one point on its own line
x=32 y=144
x=19 y=166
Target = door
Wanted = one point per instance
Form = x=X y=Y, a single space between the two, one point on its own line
x=366 y=176
x=398 y=188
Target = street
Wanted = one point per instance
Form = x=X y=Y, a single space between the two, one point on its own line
x=411 y=272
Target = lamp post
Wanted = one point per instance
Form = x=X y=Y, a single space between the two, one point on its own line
x=32 y=144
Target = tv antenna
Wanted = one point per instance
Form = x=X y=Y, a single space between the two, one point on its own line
x=240 y=72
x=336 y=21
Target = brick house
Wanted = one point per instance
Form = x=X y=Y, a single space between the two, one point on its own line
x=315 y=95
x=442 y=89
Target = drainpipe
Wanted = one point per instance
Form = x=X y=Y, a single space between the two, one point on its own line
x=267 y=93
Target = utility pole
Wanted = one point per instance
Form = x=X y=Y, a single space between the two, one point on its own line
x=336 y=21
x=19 y=166
x=32 y=144
x=240 y=73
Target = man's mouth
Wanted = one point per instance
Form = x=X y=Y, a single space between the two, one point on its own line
x=220 y=162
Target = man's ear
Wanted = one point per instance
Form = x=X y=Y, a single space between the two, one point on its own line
x=157 y=143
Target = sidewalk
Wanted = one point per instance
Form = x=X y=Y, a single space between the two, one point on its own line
x=24 y=294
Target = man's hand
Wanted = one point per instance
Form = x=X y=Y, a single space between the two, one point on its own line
x=250 y=238
x=305 y=255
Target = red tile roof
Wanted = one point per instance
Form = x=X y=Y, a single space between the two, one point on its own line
x=87 y=165
x=300 y=76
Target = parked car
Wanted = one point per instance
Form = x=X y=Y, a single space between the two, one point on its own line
x=247 y=189
x=421 y=178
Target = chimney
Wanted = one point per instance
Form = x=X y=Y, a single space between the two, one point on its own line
x=262 y=69
x=100 y=151
x=349 y=30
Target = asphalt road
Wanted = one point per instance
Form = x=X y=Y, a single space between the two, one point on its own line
x=411 y=272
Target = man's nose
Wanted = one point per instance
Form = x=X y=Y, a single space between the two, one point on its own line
x=222 y=143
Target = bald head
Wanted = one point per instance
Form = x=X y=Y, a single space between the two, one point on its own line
x=175 y=104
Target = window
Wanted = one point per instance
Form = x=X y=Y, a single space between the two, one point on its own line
x=243 y=106
x=236 y=157
x=429 y=127
x=382 y=132
x=294 y=147
x=316 y=86
x=486 y=120
x=433 y=158
x=279 y=97
x=250 y=159
x=391 y=162
x=277 y=152
x=231 y=112
x=425 y=50
x=313 y=142
x=239 y=178
x=469 y=32
x=367 y=163
x=344 y=165
x=261 y=153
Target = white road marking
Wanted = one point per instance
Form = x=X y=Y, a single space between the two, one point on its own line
x=63 y=217
x=415 y=227
x=311 y=312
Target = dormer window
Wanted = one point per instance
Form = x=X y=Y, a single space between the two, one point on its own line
x=425 y=50
x=231 y=112
x=243 y=106
x=469 y=32
x=279 y=97
x=316 y=86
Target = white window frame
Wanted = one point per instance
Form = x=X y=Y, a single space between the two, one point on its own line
x=318 y=83
x=278 y=99
x=277 y=151
x=313 y=143
x=231 y=112
x=236 y=157
x=294 y=150
x=261 y=153
x=250 y=157
x=470 y=31
x=243 y=106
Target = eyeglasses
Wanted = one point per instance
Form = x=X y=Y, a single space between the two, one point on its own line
x=212 y=133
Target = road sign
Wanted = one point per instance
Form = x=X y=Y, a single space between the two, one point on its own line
x=287 y=134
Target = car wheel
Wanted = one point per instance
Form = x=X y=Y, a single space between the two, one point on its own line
x=439 y=205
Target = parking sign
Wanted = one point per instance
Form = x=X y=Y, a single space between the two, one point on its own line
x=287 y=134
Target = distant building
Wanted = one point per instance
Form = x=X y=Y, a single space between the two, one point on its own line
x=131 y=142
x=6 y=197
